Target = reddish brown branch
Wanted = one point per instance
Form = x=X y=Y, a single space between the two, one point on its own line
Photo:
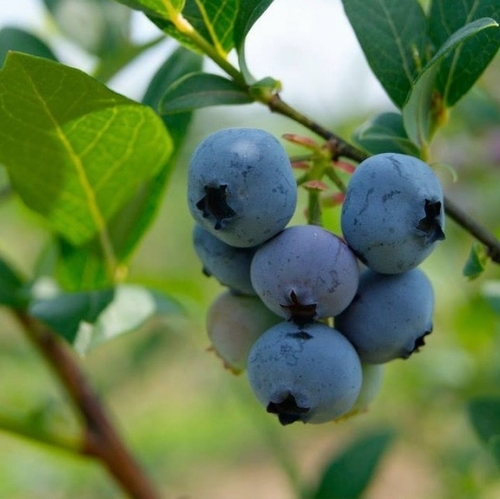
x=101 y=440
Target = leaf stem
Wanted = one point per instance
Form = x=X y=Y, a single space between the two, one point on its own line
x=100 y=439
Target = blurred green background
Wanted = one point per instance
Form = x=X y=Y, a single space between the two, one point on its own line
x=197 y=429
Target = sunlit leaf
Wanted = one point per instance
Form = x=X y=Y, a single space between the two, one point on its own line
x=198 y=90
x=385 y=133
x=393 y=37
x=75 y=151
x=19 y=40
x=465 y=64
x=423 y=109
x=213 y=20
x=349 y=473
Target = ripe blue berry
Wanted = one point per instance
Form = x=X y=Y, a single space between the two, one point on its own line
x=305 y=273
x=393 y=213
x=229 y=265
x=233 y=324
x=241 y=187
x=308 y=373
x=390 y=315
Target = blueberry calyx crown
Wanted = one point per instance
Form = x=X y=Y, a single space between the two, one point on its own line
x=214 y=204
x=288 y=411
x=300 y=313
x=430 y=225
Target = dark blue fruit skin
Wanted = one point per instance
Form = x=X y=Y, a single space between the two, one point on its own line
x=389 y=316
x=251 y=172
x=229 y=265
x=310 y=262
x=313 y=365
x=393 y=213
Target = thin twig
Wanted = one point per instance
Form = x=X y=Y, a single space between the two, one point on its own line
x=101 y=440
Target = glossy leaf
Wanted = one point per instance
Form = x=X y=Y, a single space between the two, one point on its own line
x=385 y=133
x=133 y=308
x=393 y=37
x=100 y=27
x=198 y=90
x=476 y=262
x=19 y=40
x=75 y=161
x=465 y=64
x=66 y=312
x=423 y=110
x=349 y=473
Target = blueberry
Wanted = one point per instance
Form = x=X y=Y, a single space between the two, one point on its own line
x=229 y=265
x=233 y=324
x=308 y=373
x=393 y=212
x=305 y=273
x=241 y=187
x=390 y=315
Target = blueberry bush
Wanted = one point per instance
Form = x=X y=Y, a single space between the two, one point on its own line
x=308 y=262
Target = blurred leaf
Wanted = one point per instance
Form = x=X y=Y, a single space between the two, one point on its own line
x=12 y=291
x=64 y=313
x=198 y=90
x=349 y=473
x=393 y=37
x=75 y=162
x=476 y=262
x=424 y=107
x=464 y=65
x=248 y=14
x=165 y=9
x=385 y=133
x=484 y=414
x=100 y=27
x=133 y=307
x=213 y=20
x=18 y=40
x=491 y=291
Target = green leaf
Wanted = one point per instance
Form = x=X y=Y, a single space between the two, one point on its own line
x=75 y=161
x=12 y=289
x=133 y=308
x=349 y=473
x=484 y=414
x=164 y=9
x=198 y=90
x=476 y=261
x=465 y=64
x=213 y=20
x=18 y=40
x=248 y=14
x=424 y=107
x=100 y=27
x=393 y=37
x=66 y=312
x=385 y=133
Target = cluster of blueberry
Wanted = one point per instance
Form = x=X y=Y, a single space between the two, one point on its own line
x=288 y=285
